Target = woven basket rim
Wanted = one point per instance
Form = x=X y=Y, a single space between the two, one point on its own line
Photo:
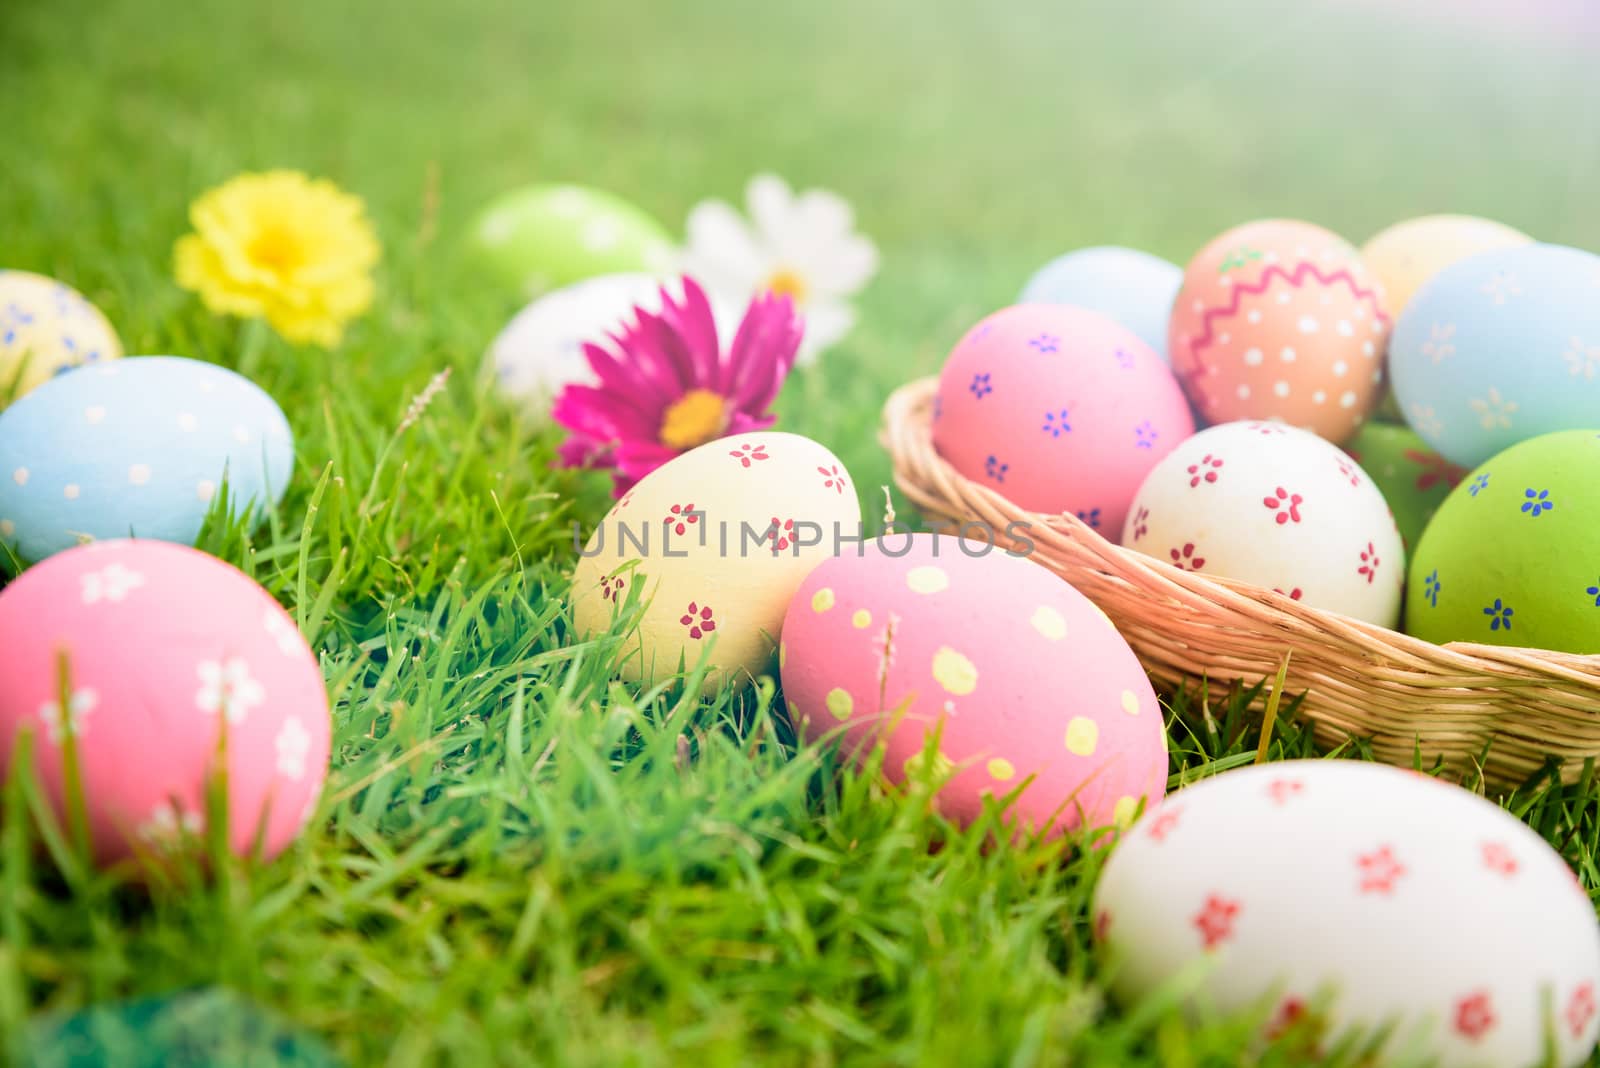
x=906 y=435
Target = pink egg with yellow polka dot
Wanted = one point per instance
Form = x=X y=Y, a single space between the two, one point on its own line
x=1025 y=681
x=144 y=654
x=1281 y=320
x=1058 y=409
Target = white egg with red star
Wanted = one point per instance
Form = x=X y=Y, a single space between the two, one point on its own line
x=1278 y=507
x=1356 y=896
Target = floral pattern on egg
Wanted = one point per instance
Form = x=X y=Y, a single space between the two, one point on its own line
x=1015 y=668
x=47 y=328
x=1285 y=510
x=1058 y=408
x=1489 y=944
x=143 y=678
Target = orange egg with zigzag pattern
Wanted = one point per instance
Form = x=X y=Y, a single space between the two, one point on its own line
x=1281 y=320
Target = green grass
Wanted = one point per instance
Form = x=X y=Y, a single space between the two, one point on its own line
x=519 y=860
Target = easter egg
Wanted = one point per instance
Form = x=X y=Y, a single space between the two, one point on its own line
x=1280 y=320
x=1132 y=288
x=164 y=648
x=201 y=1028
x=540 y=237
x=712 y=545
x=1407 y=254
x=1280 y=508
x=47 y=328
x=1357 y=896
x=541 y=349
x=1413 y=478
x=1501 y=347
x=1512 y=557
x=137 y=448
x=1025 y=681
x=1058 y=409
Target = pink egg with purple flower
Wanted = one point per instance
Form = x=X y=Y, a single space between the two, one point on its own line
x=142 y=655
x=1059 y=409
x=1024 y=683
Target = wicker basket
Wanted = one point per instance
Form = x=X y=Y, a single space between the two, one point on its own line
x=1504 y=711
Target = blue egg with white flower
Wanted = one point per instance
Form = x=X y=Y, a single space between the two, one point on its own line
x=1499 y=348
x=140 y=447
x=1132 y=288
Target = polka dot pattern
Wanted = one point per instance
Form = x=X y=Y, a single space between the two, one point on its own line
x=1083 y=736
x=96 y=455
x=991 y=660
x=1284 y=288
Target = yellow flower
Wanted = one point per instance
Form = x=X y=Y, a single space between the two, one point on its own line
x=281 y=246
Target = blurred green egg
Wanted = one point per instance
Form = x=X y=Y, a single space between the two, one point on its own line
x=541 y=237
x=1413 y=478
x=205 y=1028
x=1512 y=557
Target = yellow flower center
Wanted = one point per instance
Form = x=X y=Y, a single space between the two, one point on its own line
x=277 y=248
x=788 y=283
x=694 y=419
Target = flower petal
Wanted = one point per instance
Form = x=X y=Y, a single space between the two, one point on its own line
x=722 y=248
x=845 y=268
x=762 y=353
x=772 y=208
x=826 y=323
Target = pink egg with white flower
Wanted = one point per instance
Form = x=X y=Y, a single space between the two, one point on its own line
x=1025 y=681
x=145 y=652
x=1058 y=409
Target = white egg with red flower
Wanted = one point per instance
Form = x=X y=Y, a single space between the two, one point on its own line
x=1357 y=896
x=711 y=546
x=1278 y=507
x=143 y=655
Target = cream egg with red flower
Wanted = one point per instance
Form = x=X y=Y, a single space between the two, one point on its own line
x=696 y=564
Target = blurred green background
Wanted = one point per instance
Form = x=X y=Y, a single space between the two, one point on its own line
x=976 y=140
x=471 y=898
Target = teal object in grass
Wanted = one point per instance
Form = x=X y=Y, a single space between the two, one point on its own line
x=541 y=237
x=1132 y=288
x=205 y=1028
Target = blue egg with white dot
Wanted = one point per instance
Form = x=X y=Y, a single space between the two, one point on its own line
x=1132 y=288
x=1499 y=348
x=137 y=448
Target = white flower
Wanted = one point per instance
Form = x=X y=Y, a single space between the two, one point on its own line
x=292 y=742
x=1502 y=287
x=1582 y=360
x=111 y=583
x=229 y=687
x=1439 y=347
x=1495 y=411
x=804 y=246
x=79 y=706
x=1424 y=421
x=283 y=632
x=167 y=823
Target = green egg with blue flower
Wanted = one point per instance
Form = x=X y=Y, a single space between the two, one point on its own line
x=1512 y=557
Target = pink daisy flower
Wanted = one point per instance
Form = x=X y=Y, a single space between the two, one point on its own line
x=668 y=386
